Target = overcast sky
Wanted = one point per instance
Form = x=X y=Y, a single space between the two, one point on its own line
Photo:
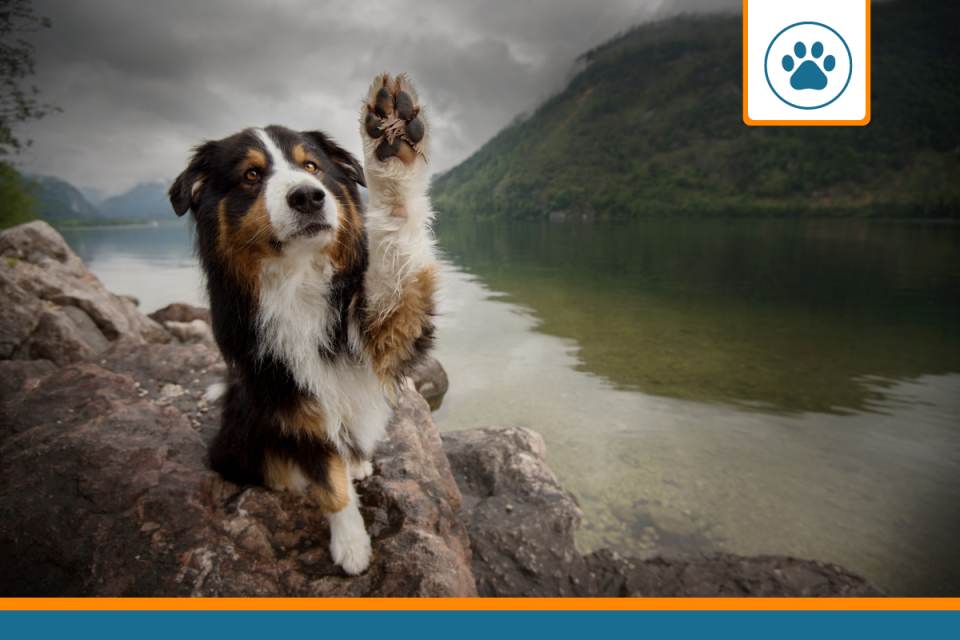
x=141 y=82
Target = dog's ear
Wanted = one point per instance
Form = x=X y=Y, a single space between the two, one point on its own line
x=185 y=190
x=344 y=159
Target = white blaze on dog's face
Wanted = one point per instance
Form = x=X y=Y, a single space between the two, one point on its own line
x=298 y=204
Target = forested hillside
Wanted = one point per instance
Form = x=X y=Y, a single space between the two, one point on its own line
x=652 y=126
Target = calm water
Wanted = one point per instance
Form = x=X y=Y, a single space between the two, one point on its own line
x=745 y=386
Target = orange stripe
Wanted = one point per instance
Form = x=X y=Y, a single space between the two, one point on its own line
x=805 y=123
x=480 y=604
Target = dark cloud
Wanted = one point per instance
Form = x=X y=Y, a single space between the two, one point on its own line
x=141 y=82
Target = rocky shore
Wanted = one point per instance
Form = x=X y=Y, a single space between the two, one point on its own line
x=104 y=488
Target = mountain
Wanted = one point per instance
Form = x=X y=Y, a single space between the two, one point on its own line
x=58 y=201
x=651 y=125
x=145 y=201
x=93 y=195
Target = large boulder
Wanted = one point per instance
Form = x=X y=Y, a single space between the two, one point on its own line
x=54 y=308
x=104 y=485
x=522 y=524
x=105 y=490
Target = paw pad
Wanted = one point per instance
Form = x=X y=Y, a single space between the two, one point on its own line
x=809 y=74
x=392 y=113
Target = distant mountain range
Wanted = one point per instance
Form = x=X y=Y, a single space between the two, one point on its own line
x=58 y=201
x=651 y=125
x=145 y=201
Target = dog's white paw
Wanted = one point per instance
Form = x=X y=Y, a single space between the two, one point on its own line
x=352 y=553
x=361 y=470
x=349 y=542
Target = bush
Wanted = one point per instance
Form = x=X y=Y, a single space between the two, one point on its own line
x=16 y=201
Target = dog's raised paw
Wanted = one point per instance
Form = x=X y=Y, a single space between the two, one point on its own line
x=392 y=116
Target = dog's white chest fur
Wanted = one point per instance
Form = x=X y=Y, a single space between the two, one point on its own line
x=296 y=322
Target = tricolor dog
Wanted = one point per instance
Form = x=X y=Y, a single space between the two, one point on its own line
x=319 y=304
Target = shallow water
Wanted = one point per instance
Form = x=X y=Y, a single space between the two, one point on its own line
x=747 y=386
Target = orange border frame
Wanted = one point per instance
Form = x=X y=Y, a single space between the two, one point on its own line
x=804 y=123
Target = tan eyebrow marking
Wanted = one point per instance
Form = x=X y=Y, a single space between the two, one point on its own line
x=299 y=154
x=256 y=157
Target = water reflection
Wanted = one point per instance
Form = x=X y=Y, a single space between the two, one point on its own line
x=774 y=315
x=875 y=492
x=155 y=264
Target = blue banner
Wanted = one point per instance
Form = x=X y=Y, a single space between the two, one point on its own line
x=583 y=625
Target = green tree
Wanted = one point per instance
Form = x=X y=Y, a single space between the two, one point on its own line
x=19 y=102
x=16 y=201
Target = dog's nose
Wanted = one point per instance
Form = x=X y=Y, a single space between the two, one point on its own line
x=306 y=200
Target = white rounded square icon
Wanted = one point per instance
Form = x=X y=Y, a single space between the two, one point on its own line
x=806 y=62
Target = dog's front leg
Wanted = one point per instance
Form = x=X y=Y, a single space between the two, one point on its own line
x=328 y=483
x=349 y=541
x=401 y=279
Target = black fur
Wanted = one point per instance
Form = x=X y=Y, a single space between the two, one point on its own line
x=351 y=167
x=261 y=388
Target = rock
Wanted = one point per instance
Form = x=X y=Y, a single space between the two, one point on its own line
x=169 y=391
x=520 y=519
x=194 y=331
x=522 y=523
x=18 y=374
x=39 y=271
x=185 y=322
x=104 y=490
x=727 y=575
x=37 y=242
x=431 y=381
x=19 y=314
x=180 y=312
x=63 y=335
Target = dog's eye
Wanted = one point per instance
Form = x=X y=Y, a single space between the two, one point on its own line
x=252 y=176
x=311 y=166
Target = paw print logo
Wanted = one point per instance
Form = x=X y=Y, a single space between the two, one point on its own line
x=808 y=65
x=808 y=75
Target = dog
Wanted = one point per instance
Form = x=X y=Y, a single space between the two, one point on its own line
x=320 y=306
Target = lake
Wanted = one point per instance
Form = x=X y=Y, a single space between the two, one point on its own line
x=750 y=386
